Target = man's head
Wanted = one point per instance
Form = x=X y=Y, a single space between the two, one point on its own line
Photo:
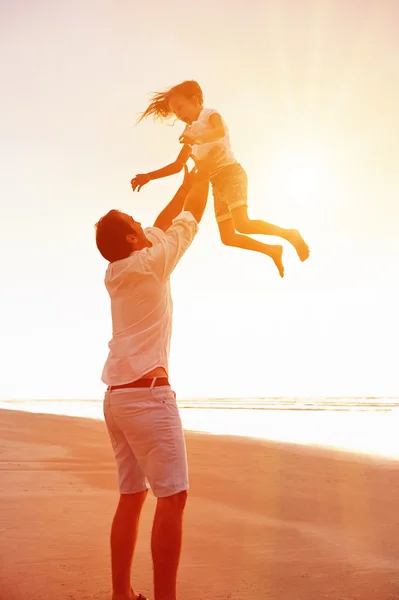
x=118 y=235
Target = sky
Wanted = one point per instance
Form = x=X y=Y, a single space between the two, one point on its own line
x=310 y=92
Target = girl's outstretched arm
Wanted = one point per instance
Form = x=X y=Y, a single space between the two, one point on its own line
x=139 y=180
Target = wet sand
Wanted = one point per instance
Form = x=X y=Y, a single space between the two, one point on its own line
x=263 y=521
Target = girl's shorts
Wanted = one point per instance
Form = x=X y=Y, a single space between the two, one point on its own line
x=230 y=190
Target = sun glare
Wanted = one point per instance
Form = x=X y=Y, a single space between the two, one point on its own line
x=304 y=178
x=302 y=171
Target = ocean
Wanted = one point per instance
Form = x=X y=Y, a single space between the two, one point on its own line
x=361 y=425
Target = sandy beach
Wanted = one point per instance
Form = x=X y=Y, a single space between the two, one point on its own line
x=264 y=520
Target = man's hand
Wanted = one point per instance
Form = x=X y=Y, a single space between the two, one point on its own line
x=191 y=178
x=139 y=181
x=200 y=172
x=205 y=166
x=176 y=205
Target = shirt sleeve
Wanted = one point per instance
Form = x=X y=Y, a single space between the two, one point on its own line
x=154 y=234
x=163 y=256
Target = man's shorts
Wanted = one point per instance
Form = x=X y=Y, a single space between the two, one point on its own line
x=147 y=436
x=230 y=190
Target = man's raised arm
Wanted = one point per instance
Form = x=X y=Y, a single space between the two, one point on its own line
x=175 y=206
x=197 y=196
x=163 y=256
x=192 y=196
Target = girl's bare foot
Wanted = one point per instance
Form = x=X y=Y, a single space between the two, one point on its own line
x=299 y=244
x=276 y=253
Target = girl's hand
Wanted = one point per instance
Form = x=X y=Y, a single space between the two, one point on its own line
x=139 y=181
x=187 y=138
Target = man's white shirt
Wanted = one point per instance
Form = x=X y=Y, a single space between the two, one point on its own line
x=141 y=303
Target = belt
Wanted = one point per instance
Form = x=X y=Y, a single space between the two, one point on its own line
x=144 y=382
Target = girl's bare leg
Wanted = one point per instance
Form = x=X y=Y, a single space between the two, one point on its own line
x=230 y=237
x=243 y=224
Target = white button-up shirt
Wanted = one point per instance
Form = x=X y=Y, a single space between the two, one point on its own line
x=141 y=303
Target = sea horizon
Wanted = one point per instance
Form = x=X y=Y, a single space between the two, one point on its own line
x=254 y=402
x=359 y=424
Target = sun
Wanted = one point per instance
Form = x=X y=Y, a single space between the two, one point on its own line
x=303 y=176
x=302 y=171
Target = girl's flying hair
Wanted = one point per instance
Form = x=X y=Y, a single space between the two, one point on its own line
x=159 y=106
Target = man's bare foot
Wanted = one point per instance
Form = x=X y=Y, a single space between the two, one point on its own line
x=276 y=253
x=295 y=238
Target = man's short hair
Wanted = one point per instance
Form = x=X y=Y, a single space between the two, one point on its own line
x=111 y=232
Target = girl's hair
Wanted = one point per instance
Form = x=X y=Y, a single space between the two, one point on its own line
x=159 y=106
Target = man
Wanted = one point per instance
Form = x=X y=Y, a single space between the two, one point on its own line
x=140 y=407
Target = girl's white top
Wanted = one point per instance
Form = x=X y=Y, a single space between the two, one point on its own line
x=222 y=153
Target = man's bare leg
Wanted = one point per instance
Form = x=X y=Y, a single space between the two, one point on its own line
x=123 y=542
x=166 y=544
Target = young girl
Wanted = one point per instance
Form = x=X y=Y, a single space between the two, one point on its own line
x=206 y=137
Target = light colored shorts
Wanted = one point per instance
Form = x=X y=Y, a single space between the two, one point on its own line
x=147 y=436
x=230 y=190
